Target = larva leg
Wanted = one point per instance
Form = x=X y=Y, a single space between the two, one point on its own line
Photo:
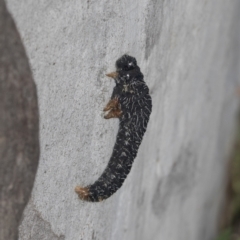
x=83 y=193
x=113 y=113
x=113 y=103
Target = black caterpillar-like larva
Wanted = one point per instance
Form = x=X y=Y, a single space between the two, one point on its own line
x=132 y=104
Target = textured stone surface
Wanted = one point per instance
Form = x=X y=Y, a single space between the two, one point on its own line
x=19 y=125
x=188 y=51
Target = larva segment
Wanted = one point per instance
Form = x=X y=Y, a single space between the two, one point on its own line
x=132 y=104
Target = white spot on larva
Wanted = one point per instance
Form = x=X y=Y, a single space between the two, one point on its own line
x=113 y=176
x=119 y=166
x=127 y=133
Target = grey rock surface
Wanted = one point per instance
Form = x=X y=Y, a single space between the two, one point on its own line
x=189 y=53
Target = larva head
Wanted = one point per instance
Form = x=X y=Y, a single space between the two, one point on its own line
x=127 y=70
x=126 y=63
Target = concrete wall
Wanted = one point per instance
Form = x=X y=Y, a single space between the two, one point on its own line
x=188 y=51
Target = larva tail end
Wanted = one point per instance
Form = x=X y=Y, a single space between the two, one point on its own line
x=83 y=193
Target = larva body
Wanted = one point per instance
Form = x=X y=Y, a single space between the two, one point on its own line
x=132 y=104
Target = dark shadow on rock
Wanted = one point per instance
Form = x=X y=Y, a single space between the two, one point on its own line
x=154 y=22
x=19 y=141
x=177 y=184
x=36 y=227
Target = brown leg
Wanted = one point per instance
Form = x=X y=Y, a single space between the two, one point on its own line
x=113 y=108
x=114 y=113
x=83 y=192
x=113 y=103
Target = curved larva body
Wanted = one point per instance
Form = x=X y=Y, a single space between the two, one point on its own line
x=133 y=106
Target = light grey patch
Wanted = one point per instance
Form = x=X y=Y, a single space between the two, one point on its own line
x=177 y=184
x=204 y=228
x=101 y=76
x=34 y=227
x=98 y=82
x=141 y=199
x=103 y=133
x=153 y=26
